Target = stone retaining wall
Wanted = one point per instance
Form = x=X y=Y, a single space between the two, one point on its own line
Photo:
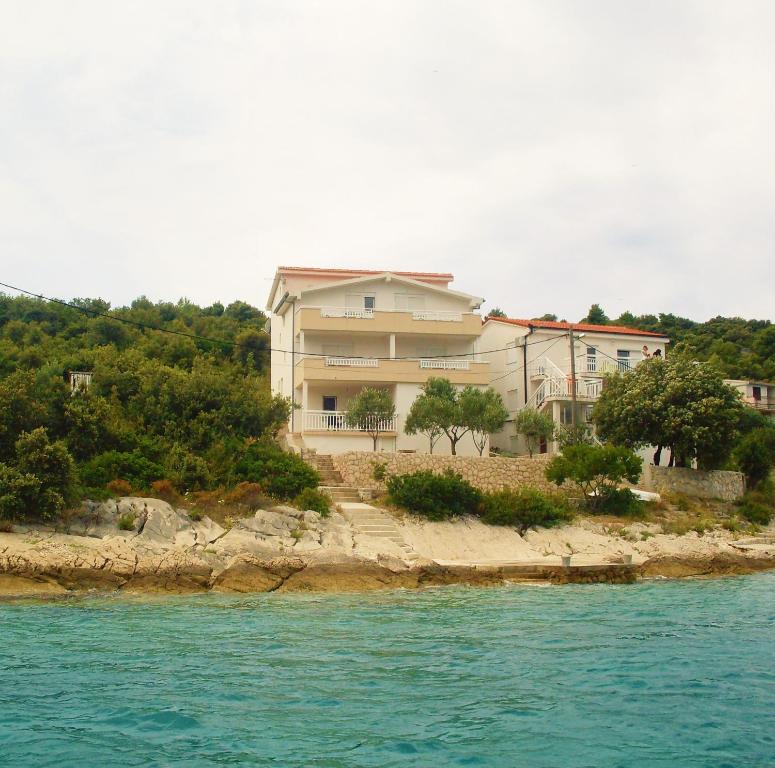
x=490 y=473
x=714 y=484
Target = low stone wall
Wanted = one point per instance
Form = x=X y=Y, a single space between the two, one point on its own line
x=714 y=484
x=490 y=473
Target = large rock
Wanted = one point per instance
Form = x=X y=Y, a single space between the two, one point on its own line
x=247 y=573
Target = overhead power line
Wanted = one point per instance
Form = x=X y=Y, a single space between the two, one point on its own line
x=230 y=343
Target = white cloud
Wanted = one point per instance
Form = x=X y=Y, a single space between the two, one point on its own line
x=549 y=153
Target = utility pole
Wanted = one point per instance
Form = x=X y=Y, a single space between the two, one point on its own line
x=572 y=376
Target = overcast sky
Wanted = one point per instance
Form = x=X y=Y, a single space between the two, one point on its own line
x=549 y=153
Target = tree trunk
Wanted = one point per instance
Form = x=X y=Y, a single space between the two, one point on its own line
x=671 y=463
x=375 y=438
x=453 y=444
x=657 y=455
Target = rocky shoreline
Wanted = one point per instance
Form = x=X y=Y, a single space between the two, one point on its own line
x=288 y=550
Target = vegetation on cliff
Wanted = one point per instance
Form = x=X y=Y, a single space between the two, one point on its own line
x=166 y=404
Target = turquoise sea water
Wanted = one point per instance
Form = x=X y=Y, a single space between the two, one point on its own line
x=654 y=674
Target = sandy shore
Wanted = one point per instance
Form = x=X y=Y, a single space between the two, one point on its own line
x=290 y=550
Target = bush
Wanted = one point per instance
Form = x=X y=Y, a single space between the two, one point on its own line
x=523 y=509
x=18 y=493
x=759 y=506
x=754 y=455
x=249 y=495
x=312 y=498
x=43 y=481
x=186 y=470
x=133 y=467
x=165 y=490
x=379 y=473
x=755 y=512
x=621 y=502
x=436 y=497
x=119 y=487
x=595 y=469
x=280 y=474
x=127 y=522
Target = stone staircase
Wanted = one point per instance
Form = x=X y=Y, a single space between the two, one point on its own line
x=341 y=493
x=324 y=464
x=370 y=521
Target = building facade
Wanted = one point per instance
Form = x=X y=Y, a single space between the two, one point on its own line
x=530 y=362
x=759 y=395
x=335 y=331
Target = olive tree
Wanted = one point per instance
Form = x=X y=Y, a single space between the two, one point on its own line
x=440 y=408
x=370 y=411
x=483 y=412
x=534 y=426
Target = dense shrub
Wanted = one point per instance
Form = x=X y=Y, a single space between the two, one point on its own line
x=524 y=508
x=42 y=482
x=312 y=498
x=437 y=497
x=754 y=454
x=187 y=471
x=755 y=511
x=133 y=467
x=621 y=502
x=595 y=469
x=18 y=492
x=165 y=490
x=250 y=495
x=119 y=487
x=758 y=506
x=282 y=475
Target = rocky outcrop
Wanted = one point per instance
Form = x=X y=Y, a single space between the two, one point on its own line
x=294 y=550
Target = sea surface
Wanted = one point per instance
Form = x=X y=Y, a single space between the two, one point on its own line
x=662 y=673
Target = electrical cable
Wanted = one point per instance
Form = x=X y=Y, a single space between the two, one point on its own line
x=228 y=343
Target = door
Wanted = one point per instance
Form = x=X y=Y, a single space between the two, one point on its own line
x=329 y=405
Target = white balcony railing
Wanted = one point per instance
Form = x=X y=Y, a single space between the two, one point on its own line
x=354 y=362
x=336 y=421
x=431 y=314
x=446 y=365
x=359 y=313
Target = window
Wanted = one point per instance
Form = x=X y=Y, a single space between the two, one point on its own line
x=566 y=414
x=591 y=359
x=588 y=413
x=329 y=402
x=757 y=393
x=623 y=358
x=404 y=301
x=361 y=301
x=512 y=399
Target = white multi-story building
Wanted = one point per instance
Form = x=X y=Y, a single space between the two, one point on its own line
x=759 y=395
x=335 y=331
x=530 y=362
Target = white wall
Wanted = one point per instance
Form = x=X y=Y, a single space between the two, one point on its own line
x=385 y=296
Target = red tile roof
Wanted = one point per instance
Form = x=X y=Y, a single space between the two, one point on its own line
x=557 y=326
x=325 y=271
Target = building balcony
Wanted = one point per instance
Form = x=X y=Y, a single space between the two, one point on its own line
x=336 y=421
x=360 y=320
x=373 y=370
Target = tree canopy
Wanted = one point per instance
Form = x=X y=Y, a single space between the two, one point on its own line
x=674 y=403
x=177 y=407
x=534 y=426
x=371 y=410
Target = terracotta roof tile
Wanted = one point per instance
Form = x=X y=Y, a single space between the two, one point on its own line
x=323 y=270
x=557 y=326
